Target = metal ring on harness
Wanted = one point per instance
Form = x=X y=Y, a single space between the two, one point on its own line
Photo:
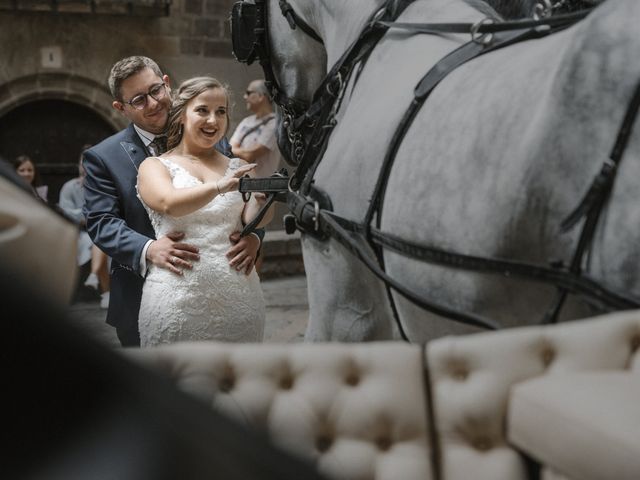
x=542 y=9
x=482 y=38
x=329 y=84
x=246 y=196
x=316 y=216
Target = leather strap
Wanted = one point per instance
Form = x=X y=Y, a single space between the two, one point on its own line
x=296 y=21
x=488 y=27
x=262 y=185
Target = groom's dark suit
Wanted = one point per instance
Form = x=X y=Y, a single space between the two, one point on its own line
x=118 y=223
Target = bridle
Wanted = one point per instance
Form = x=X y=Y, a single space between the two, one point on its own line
x=309 y=127
x=250 y=37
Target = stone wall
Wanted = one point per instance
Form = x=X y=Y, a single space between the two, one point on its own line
x=65 y=54
x=64 y=50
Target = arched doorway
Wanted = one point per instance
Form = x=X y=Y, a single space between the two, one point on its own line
x=51 y=132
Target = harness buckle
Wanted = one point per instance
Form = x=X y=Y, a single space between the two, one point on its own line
x=478 y=37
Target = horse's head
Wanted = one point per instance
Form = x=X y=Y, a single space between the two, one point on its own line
x=284 y=38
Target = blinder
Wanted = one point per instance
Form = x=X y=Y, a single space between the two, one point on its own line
x=244 y=17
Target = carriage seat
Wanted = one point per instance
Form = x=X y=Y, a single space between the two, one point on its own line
x=356 y=410
x=566 y=422
x=561 y=400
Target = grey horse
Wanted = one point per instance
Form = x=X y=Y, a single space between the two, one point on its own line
x=502 y=151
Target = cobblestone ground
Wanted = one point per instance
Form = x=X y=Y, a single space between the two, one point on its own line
x=287 y=313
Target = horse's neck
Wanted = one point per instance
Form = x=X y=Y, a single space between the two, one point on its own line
x=340 y=22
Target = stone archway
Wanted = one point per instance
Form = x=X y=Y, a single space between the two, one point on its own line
x=49 y=117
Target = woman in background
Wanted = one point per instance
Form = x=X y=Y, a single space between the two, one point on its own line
x=26 y=168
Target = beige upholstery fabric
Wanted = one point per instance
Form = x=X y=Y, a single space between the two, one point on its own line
x=471 y=378
x=357 y=410
x=360 y=412
x=568 y=421
x=550 y=474
x=37 y=244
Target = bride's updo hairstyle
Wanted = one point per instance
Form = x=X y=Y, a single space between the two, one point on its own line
x=187 y=91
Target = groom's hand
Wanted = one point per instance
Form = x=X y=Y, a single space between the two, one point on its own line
x=242 y=255
x=170 y=253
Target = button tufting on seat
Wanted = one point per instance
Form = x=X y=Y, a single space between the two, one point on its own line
x=459 y=369
x=482 y=443
x=352 y=379
x=547 y=355
x=286 y=382
x=460 y=375
x=228 y=380
x=383 y=443
x=227 y=383
x=323 y=443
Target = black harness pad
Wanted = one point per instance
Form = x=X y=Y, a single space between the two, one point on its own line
x=243 y=37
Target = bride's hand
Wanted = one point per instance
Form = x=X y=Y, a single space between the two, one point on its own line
x=229 y=184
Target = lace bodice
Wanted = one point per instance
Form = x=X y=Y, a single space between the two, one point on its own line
x=211 y=301
x=208 y=225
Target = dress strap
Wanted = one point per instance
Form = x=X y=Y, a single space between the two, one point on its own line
x=171 y=166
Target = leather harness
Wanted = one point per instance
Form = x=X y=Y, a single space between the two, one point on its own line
x=309 y=128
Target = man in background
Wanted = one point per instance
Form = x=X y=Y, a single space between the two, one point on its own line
x=254 y=140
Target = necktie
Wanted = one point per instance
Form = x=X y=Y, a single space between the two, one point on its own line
x=159 y=144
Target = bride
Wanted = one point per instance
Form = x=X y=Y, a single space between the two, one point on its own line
x=193 y=188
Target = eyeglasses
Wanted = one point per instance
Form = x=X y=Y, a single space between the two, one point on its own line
x=157 y=92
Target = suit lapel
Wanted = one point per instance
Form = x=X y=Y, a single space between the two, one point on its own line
x=133 y=147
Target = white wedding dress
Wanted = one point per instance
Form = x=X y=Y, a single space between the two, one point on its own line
x=212 y=301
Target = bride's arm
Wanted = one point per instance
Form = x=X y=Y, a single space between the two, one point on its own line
x=253 y=206
x=157 y=191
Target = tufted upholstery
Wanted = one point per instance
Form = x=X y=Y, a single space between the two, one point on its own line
x=356 y=410
x=360 y=410
x=472 y=376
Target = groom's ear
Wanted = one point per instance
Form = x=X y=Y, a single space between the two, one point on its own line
x=119 y=106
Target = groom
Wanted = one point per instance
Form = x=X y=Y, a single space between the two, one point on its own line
x=116 y=220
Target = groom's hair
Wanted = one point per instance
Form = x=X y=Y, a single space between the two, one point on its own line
x=127 y=67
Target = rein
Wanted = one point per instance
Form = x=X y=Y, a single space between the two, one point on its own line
x=311 y=129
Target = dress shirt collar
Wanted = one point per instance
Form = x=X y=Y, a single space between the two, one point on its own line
x=146 y=137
